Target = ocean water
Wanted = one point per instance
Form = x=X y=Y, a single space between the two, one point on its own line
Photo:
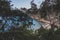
x=9 y=23
x=36 y=25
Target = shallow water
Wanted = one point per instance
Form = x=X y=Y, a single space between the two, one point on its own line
x=36 y=25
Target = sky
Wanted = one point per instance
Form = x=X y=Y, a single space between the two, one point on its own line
x=25 y=3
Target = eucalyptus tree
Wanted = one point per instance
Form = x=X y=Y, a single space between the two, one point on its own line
x=50 y=9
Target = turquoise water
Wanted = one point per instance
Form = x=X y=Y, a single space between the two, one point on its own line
x=36 y=25
x=16 y=22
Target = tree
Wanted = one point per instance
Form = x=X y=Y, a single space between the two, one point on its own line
x=15 y=23
x=5 y=7
x=51 y=12
x=33 y=10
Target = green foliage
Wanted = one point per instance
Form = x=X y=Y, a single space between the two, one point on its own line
x=5 y=7
x=23 y=33
x=57 y=7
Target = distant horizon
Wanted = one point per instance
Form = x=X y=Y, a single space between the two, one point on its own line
x=25 y=3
